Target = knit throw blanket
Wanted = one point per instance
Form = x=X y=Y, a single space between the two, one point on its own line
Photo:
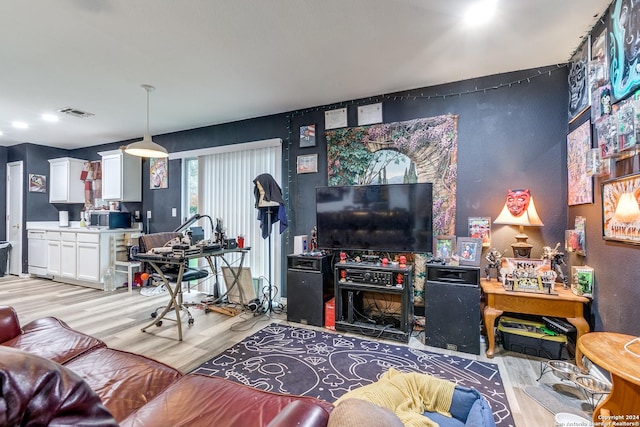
x=408 y=395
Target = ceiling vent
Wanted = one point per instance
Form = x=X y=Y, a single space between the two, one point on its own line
x=75 y=112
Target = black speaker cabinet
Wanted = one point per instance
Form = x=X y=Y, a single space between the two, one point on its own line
x=452 y=308
x=309 y=286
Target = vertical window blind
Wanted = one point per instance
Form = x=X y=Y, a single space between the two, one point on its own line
x=225 y=183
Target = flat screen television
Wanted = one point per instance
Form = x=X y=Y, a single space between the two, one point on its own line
x=385 y=218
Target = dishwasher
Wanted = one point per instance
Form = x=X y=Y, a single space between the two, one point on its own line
x=37 y=252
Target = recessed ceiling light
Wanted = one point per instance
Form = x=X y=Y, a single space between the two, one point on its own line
x=20 y=125
x=480 y=12
x=50 y=117
x=0 y=133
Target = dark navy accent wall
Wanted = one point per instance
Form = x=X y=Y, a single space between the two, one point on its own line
x=511 y=134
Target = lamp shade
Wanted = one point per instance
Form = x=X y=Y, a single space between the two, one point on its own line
x=529 y=218
x=627 y=209
x=146 y=148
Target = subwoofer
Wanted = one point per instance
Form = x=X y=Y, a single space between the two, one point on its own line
x=307 y=291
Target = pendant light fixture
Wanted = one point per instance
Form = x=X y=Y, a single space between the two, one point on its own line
x=146 y=147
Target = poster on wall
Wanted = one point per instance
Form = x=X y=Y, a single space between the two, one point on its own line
x=159 y=173
x=624 y=48
x=580 y=184
x=578 y=82
x=621 y=209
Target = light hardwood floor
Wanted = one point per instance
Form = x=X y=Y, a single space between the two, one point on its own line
x=116 y=318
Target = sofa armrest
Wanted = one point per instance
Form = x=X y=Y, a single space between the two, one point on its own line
x=301 y=413
x=39 y=392
x=9 y=323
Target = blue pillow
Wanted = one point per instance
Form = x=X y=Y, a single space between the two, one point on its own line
x=468 y=408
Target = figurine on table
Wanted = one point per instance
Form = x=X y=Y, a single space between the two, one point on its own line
x=494 y=260
x=556 y=258
x=313 y=245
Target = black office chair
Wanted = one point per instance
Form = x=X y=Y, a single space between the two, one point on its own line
x=170 y=272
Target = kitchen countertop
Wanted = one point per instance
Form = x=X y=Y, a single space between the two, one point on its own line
x=74 y=227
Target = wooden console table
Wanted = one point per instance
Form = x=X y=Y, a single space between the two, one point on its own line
x=607 y=350
x=565 y=305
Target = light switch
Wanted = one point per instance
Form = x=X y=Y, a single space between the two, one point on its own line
x=148 y=214
x=174 y=212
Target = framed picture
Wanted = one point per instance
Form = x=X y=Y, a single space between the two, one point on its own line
x=578 y=81
x=444 y=247
x=620 y=210
x=579 y=183
x=37 y=183
x=469 y=250
x=159 y=173
x=480 y=228
x=308 y=136
x=335 y=119
x=307 y=163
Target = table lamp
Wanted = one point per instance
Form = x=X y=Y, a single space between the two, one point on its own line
x=520 y=210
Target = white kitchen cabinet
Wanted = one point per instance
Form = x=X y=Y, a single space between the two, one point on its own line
x=68 y=256
x=65 y=185
x=89 y=266
x=121 y=176
x=53 y=253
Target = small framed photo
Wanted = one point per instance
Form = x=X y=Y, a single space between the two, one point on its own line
x=469 y=251
x=480 y=228
x=308 y=136
x=37 y=183
x=307 y=163
x=444 y=247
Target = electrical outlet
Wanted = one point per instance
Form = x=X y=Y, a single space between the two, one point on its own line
x=174 y=212
x=148 y=214
x=136 y=215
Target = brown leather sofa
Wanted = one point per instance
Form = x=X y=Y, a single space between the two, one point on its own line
x=51 y=374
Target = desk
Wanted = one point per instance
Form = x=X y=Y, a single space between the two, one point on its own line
x=607 y=350
x=565 y=304
x=175 y=302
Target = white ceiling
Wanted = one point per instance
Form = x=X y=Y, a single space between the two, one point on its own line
x=216 y=61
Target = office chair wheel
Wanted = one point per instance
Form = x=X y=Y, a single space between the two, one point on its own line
x=159 y=322
x=207 y=311
x=191 y=321
x=154 y=315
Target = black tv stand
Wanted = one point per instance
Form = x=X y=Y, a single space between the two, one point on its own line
x=360 y=286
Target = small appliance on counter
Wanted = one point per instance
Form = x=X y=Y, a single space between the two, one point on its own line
x=63 y=218
x=119 y=220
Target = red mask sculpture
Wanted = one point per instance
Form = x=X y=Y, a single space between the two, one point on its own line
x=518 y=201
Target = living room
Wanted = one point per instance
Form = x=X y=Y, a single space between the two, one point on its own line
x=511 y=133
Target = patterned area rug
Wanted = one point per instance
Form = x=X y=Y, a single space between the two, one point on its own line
x=324 y=364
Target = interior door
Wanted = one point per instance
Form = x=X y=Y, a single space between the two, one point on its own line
x=14 y=216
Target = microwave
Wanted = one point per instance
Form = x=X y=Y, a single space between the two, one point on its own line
x=112 y=220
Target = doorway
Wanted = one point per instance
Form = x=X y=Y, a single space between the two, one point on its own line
x=14 y=230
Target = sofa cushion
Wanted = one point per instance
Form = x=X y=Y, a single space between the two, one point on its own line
x=198 y=400
x=124 y=381
x=361 y=413
x=53 y=339
x=38 y=392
